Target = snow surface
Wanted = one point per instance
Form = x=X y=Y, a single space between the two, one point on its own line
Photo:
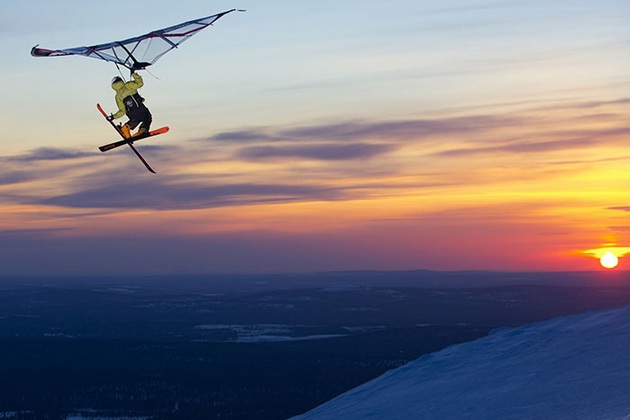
x=575 y=367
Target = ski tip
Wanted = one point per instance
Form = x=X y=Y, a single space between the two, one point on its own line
x=101 y=110
x=160 y=130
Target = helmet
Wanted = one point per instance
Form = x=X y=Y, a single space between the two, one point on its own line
x=116 y=79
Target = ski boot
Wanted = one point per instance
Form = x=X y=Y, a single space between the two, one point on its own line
x=125 y=130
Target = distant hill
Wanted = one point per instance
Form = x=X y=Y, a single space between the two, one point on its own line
x=575 y=367
x=250 y=283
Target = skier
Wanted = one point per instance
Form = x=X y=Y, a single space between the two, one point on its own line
x=130 y=103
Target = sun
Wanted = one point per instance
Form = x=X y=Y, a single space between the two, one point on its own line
x=609 y=260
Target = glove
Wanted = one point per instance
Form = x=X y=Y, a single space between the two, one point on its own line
x=110 y=117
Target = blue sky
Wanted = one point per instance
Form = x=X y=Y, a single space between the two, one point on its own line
x=299 y=62
x=321 y=135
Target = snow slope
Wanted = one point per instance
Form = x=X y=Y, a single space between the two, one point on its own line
x=575 y=367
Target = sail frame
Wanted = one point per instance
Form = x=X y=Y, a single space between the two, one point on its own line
x=140 y=51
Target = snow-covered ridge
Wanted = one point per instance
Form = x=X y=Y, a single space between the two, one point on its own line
x=575 y=367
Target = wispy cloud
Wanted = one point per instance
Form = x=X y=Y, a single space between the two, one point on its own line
x=49 y=153
x=525 y=146
x=319 y=152
x=158 y=195
x=244 y=136
x=370 y=130
x=15 y=177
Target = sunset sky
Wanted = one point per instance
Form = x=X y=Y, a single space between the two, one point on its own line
x=317 y=136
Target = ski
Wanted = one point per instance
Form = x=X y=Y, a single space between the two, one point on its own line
x=146 y=164
x=130 y=140
x=119 y=143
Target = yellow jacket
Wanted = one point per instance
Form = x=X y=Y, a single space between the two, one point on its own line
x=124 y=90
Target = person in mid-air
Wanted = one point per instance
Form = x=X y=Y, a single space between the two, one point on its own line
x=130 y=103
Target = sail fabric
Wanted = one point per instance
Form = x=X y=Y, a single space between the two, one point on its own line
x=141 y=51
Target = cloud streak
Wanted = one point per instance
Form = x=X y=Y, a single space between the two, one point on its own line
x=157 y=195
x=48 y=154
x=369 y=130
x=521 y=147
x=334 y=152
x=15 y=177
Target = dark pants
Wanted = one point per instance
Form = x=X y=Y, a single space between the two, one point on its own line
x=139 y=115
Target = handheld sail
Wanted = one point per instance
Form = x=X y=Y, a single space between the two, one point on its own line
x=141 y=51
